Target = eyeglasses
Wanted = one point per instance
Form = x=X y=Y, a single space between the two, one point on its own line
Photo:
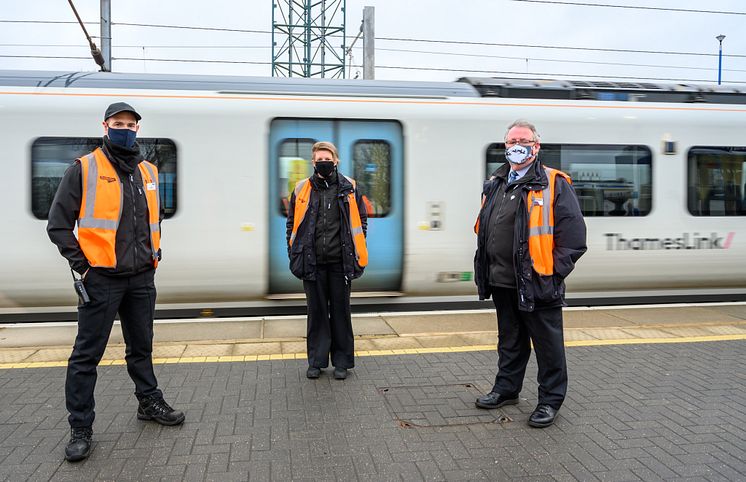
x=523 y=142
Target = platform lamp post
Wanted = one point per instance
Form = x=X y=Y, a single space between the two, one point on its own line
x=720 y=38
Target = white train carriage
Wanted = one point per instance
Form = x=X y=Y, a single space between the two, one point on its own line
x=659 y=172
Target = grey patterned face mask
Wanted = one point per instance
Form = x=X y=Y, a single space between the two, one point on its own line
x=518 y=154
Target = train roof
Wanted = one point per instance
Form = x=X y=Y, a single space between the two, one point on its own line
x=464 y=87
x=605 y=90
x=236 y=84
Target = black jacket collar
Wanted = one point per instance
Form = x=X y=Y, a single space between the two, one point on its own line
x=344 y=184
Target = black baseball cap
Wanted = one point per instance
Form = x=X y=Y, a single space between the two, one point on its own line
x=118 y=107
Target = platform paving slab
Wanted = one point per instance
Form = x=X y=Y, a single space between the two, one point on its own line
x=734 y=310
x=592 y=319
x=633 y=412
x=208 y=330
x=442 y=323
x=692 y=315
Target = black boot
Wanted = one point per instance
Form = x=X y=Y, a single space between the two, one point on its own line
x=79 y=446
x=157 y=410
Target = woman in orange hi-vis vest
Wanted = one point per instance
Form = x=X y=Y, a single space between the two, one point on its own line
x=326 y=228
x=112 y=196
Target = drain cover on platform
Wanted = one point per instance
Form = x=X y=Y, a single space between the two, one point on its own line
x=438 y=406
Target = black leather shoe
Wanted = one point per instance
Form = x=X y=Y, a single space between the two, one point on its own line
x=340 y=373
x=157 y=410
x=543 y=416
x=313 y=373
x=495 y=400
x=79 y=446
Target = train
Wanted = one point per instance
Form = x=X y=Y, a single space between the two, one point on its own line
x=659 y=170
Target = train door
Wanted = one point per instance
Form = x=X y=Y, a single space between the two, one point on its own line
x=369 y=151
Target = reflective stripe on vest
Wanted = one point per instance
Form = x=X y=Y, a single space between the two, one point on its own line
x=303 y=196
x=540 y=206
x=476 y=224
x=149 y=175
x=356 y=227
x=101 y=208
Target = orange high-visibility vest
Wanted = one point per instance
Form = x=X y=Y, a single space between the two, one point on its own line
x=540 y=205
x=302 y=197
x=101 y=209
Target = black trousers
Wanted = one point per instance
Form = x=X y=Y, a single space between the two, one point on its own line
x=329 y=318
x=516 y=331
x=134 y=298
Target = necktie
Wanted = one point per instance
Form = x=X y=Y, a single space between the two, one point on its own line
x=512 y=177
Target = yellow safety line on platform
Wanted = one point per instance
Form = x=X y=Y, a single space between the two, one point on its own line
x=394 y=351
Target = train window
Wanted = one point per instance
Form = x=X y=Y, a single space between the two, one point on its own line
x=610 y=180
x=295 y=165
x=372 y=171
x=717 y=181
x=51 y=156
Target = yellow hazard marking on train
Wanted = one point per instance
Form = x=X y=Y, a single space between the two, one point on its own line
x=389 y=352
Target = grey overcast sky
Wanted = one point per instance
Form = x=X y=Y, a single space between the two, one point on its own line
x=528 y=23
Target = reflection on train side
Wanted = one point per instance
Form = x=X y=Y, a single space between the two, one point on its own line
x=610 y=180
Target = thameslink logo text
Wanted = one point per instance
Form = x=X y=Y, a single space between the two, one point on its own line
x=617 y=242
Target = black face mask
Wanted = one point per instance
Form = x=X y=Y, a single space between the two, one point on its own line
x=324 y=168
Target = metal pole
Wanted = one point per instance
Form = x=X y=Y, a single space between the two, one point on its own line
x=307 y=47
x=369 y=41
x=290 y=39
x=720 y=38
x=323 y=38
x=106 y=34
x=352 y=45
x=95 y=52
x=344 y=35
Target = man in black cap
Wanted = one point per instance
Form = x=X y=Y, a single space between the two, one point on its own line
x=112 y=195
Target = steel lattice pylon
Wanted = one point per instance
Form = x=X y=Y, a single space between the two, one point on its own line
x=308 y=38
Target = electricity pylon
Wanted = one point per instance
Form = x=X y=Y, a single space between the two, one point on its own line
x=308 y=38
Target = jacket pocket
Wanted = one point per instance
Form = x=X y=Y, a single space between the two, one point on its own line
x=297 y=261
x=357 y=270
x=548 y=288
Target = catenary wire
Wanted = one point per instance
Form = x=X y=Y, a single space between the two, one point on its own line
x=186 y=27
x=383 y=49
x=540 y=59
x=198 y=61
x=396 y=67
x=554 y=47
x=631 y=7
x=406 y=39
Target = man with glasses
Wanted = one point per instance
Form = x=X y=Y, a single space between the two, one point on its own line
x=530 y=232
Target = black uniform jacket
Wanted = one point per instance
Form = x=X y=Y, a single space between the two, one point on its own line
x=132 y=245
x=303 y=252
x=534 y=291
